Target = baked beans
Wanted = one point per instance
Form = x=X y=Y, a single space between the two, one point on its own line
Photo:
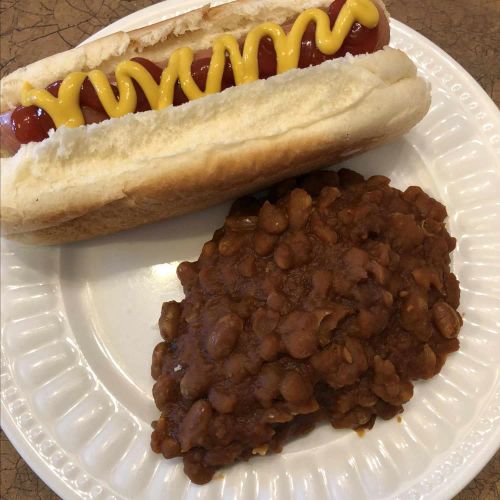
x=323 y=301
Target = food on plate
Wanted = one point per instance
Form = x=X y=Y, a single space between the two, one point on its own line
x=91 y=97
x=323 y=302
x=305 y=84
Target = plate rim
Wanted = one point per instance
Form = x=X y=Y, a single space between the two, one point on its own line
x=488 y=448
x=40 y=467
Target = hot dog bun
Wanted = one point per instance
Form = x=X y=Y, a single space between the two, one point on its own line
x=102 y=178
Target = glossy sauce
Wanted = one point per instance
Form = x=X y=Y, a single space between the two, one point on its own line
x=31 y=123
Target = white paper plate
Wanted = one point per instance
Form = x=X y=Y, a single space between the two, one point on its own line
x=79 y=326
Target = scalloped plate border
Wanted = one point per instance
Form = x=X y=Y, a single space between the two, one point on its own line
x=462 y=461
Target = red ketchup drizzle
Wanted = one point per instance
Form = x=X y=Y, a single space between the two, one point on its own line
x=30 y=124
x=155 y=71
x=360 y=40
x=33 y=124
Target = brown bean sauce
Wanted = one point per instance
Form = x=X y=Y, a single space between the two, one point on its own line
x=323 y=301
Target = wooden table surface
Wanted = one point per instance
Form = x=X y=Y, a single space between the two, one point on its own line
x=469 y=30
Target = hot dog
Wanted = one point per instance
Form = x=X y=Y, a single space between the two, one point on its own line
x=160 y=121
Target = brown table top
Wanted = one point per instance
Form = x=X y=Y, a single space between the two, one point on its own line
x=31 y=29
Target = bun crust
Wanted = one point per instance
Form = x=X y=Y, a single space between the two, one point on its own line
x=144 y=167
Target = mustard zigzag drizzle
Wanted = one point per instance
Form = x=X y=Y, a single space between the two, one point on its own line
x=65 y=109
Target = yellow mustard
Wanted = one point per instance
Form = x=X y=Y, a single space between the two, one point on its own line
x=65 y=109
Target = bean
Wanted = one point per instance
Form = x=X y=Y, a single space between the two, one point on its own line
x=209 y=250
x=322 y=230
x=194 y=425
x=194 y=383
x=300 y=344
x=377 y=181
x=230 y=244
x=277 y=416
x=276 y=301
x=446 y=319
x=247 y=267
x=157 y=359
x=241 y=222
x=299 y=208
x=221 y=401
x=299 y=330
x=295 y=388
x=268 y=383
x=269 y=347
x=272 y=219
x=355 y=257
x=165 y=390
x=169 y=320
x=209 y=279
x=283 y=256
x=187 y=273
x=327 y=198
x=427 y=362
x=263 y=243
x=170 y=448
x=224 y=337
x=321 y=282
x=234 y=368
x=264 y=321
x=381 y=274
x=300 y=247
